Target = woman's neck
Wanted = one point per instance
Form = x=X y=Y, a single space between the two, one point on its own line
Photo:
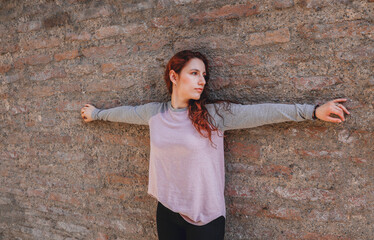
x=178 y=103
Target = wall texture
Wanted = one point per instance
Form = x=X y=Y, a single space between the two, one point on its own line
x=61 y=178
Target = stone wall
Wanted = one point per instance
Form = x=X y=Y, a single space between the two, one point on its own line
x=62 y=178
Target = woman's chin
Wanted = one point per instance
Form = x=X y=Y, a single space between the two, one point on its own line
x=196 y=98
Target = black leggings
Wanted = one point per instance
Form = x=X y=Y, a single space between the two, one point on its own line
x=171 y=226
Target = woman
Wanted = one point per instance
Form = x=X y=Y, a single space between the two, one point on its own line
x=186 y=169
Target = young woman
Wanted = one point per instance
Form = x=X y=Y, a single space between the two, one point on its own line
x=186 y=168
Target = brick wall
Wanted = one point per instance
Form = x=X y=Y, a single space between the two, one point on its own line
x=64 y=179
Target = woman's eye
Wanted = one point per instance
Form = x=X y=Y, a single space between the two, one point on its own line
x=194 y=73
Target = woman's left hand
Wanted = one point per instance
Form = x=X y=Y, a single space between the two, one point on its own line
x=323 y=112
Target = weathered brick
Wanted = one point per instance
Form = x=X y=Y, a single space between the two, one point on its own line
x=105 y=52
x=134 y=7
x=30 y=44
x=226 y=12
x=8 y=47
x=15 y=138
x=169 y=21
x=294 y=235
x=358 y=53
x=127 y=227
x=29 y=26
x=269 y=37
x=50 y=138
x=168 y=3
x=282 y=213
x=58 y=19
x=84 y=36
x=124 y=140
x=111 y=31
x=219 y=83
x=10 y=154
x=149 y=46
x=357 y=28
x=268 y=170
x=36 y=192
x=212 y=42
x=118 y=67
x=72 y=228
x=70 y=156
x=38 y=91
x=3 y=30
x=4 y=68
x=321 y=153
x=356 y=202
x=315 y=236
x=358 y=160
x=237 y=60
x=66 y=55
x=102 y=236
x=247 y=208
x=70 y=87
x=18 y=109
x=32 y=60
x=282 y=4
x=108 y=85
x=48 y=74
x=94 y=12
x=315 y=82
x=239 y=190
x=305 y=194
x=239 y=148
x=69 y=106
x=81 y=69
x=334 y=215
x=313 y=4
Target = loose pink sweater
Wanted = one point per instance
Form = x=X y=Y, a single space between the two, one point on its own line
x=187 y=173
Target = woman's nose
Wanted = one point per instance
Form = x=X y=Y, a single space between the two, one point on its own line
x=202 y=80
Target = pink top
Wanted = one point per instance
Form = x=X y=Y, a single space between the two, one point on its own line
x=186 y=173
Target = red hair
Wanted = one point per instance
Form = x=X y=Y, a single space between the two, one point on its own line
x=197 y=111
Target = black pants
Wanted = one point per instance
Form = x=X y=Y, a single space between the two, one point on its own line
x=171 y=226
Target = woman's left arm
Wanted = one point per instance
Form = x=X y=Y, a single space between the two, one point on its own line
x=332 y=107
x=248 y=116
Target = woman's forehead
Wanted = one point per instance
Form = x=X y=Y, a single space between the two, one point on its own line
x=195 y=63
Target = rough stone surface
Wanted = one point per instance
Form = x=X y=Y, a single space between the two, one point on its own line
x=61 y=178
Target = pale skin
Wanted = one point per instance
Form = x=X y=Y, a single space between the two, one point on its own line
x=192 y=77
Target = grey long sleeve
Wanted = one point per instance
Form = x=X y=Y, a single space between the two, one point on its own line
x=128 y=114
x=249 y=116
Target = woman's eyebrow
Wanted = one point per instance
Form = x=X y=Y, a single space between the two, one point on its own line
x=196 y=70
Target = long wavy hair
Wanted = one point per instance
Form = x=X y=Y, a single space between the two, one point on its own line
x=197 y=111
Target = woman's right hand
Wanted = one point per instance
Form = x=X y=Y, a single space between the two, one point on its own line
x=86 y=112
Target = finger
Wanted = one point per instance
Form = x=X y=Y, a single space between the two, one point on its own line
x=339 y=112
x=335 y=120
x=344 y=109
x=339 y=100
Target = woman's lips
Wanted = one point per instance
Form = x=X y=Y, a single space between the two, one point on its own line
x=199 y=89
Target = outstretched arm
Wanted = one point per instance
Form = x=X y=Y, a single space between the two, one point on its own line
x=248 y=116
x=128 y=114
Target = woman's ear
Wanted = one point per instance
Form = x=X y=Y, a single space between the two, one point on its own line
x=173 y=76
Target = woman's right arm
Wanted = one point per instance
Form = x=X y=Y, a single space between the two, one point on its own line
x=128 y=114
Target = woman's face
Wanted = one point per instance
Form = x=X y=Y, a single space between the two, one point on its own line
x=191 y=80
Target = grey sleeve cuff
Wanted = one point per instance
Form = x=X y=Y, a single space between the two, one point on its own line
x=309 y=111
x=95 y=114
